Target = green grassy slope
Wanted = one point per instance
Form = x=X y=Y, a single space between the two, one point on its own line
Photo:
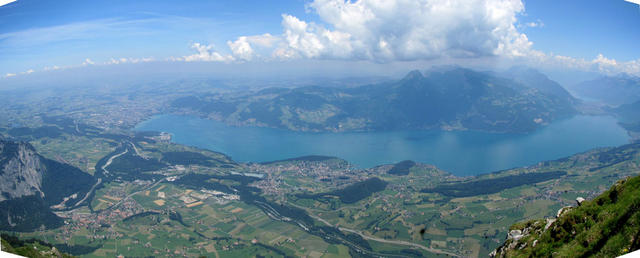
x=29 y=248
x=606 y=226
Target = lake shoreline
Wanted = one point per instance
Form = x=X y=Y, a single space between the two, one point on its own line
x=461 y=153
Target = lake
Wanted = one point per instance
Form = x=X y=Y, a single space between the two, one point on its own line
x=461 y=152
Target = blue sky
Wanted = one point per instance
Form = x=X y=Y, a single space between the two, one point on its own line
x=102 y=30
x=35 y=35
x=586 y=28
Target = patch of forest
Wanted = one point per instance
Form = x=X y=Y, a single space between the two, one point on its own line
x=27 y=214
x=401 y=168
x=493 y=185
x=190 y=158
x=352 y=193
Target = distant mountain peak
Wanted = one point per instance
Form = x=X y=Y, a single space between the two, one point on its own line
x=614 y=90
x=532 y=78
x=415 y=74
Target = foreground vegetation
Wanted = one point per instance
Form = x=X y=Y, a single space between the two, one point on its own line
x=606 y=226
x=33 y=248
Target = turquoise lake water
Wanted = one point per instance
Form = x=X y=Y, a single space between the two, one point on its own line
x=461 y=153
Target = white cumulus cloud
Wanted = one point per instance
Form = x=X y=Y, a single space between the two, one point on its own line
x=242 y=47
x=538 y=24
x=88 y=62
x=386 y=31
x=206 y=53
x=599 y=64
x=405 y=30
x=6 y=2
x=50 y=68
x=123 y=60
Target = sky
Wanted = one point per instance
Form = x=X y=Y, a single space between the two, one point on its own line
x=586 y=35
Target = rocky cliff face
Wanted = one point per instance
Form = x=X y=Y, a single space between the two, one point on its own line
x=31 y=185
x=21 y=170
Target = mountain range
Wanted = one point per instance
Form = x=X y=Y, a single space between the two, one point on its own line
x=613 y=90
x=444 y=98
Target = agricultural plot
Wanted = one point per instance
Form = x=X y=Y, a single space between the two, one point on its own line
x=79 y=151
x=468 y=224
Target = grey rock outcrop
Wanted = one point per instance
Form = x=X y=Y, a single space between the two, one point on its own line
x=549 y=223
x=515 y=235
x=21 y=170
x=562 y=211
